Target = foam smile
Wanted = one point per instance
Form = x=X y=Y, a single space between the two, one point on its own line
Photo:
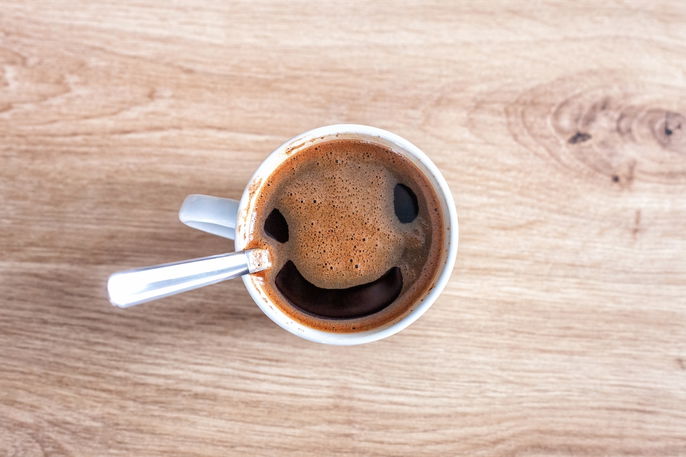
x=352 y=302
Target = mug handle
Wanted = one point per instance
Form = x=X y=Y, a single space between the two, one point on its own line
x=210 y=214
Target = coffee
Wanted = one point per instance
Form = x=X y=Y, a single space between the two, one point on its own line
x=355 y=233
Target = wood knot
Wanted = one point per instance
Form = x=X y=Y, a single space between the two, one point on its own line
x=579 y=137
x=669 y=130
x=605 y=126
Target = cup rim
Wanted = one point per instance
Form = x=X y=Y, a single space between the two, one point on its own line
x=245 y=219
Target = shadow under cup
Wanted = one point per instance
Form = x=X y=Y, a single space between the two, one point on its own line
x=247 y=220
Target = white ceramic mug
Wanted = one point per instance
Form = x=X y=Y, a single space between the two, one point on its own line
x=236 y=219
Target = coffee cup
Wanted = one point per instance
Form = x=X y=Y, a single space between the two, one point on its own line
x=236 y=219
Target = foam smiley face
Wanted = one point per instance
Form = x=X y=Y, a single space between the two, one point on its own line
x=342 y=235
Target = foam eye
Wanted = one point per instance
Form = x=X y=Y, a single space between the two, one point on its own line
x=276 y=226
x=405 y=203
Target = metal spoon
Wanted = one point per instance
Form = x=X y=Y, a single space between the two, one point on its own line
x=140 y=285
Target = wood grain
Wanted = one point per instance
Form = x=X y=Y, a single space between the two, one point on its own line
x=560 y=127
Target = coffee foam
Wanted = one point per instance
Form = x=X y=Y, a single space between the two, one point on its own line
x=342 y=221
x=337 y=198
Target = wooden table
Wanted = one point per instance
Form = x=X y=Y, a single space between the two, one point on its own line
x=560 y=127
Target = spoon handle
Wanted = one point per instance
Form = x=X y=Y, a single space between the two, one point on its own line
x=132 y=287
